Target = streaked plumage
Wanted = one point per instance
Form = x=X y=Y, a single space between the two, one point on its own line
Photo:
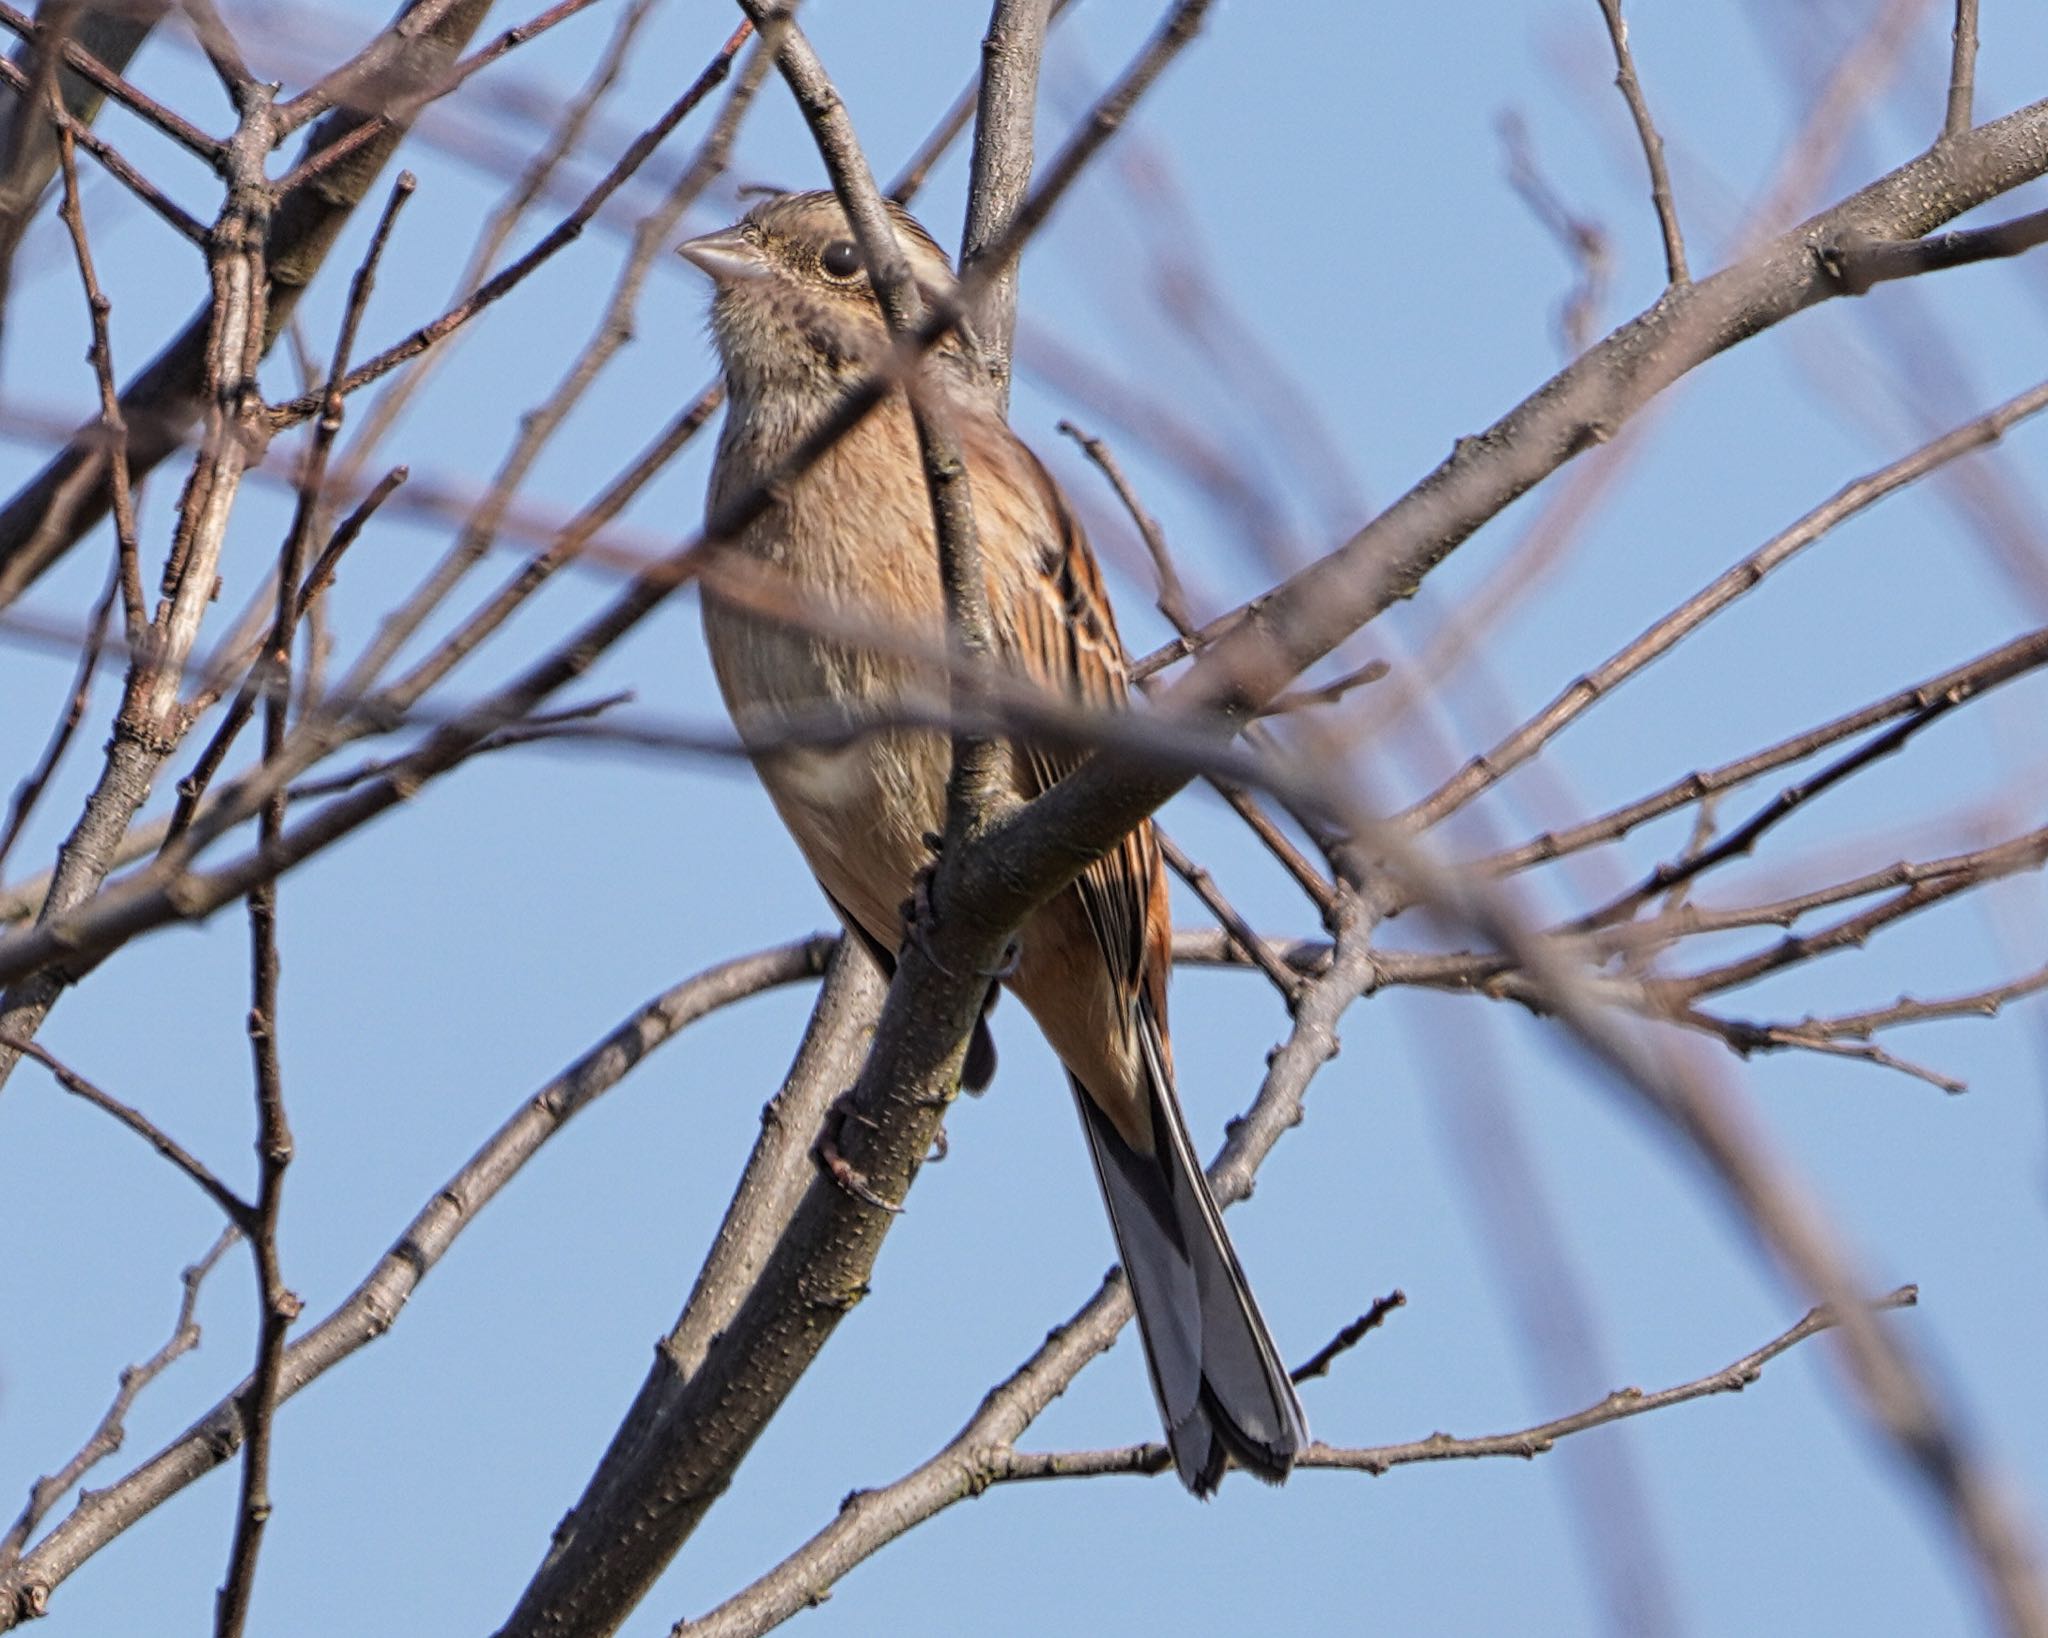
x=796 y=323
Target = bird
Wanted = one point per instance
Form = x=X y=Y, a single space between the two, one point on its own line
x=797 y=323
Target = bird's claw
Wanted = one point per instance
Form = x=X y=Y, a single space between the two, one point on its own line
x=836 y=1166
x=918 y=916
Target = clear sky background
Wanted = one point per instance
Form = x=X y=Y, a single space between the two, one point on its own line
x=1342 y=176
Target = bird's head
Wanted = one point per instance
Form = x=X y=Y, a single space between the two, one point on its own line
x=793 y=306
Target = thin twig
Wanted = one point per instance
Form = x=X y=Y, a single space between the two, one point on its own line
x=1487 y=769
x=1690 y=920
x=1744 y=837
x=1284 y=978
x=1329 y=693
x=111 y=160
x=237 y=1210
x=1984 y=1003
x=107 y=1438
x=1442 y=1447
x=1745 y=1039
x=526 y=190
x=2026 y=853
x=1319 y=1363
x=1987 y=671
x=1653 y=145
x=128 y=552
x=267 y=680
x=1850 y=1033
x=90 y=68
x=538 y=427
x=563 y=233
x=407 y=108
x=192 y=788
x=32 y=786
x=568 y=723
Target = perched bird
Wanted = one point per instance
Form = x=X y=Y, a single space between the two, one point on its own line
x=797 y=322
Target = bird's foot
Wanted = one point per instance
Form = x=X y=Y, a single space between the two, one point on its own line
x=919 y=918
x=834 y=1163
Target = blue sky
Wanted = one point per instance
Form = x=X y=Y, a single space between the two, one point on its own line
x=1343 y=181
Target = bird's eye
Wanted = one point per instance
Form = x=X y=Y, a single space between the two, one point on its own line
x=840 y=259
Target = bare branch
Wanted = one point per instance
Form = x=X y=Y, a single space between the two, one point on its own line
x=237 y=1210
x=1962 y=74
x=1442 y=1447
x=107 y=36
x=1653 y=145
x=1487 y=769
x=374 y=1306
x=1896 y=1395
x=148 y=727
x=403 y=109
x=1744 y=837
x=110 y=158
x=2028 y=852
x=564 y=232
x=128 y=551
x=1285 y=979
x=107 y=1438
x=539 y=427
x=1987 y=671
x=1010 y=55
x=55 y=509
x=1744 y=1038
x=1859 y=264
x=1036 y=851
x=1319 y=1363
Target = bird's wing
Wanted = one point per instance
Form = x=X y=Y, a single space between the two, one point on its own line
x=1063 y=634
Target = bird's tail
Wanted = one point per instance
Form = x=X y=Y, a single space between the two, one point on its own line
x=1223 y=1393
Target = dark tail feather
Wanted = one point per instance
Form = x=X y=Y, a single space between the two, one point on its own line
x=1222 y=1391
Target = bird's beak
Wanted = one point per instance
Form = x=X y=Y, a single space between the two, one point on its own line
x=726 y=255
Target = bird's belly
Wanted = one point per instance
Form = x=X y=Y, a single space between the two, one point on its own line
x=860 y=813
x=859 y=809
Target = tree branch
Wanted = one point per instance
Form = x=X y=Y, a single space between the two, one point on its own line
x=374 y=1306
x=1631 y=90
x=1006 y=106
